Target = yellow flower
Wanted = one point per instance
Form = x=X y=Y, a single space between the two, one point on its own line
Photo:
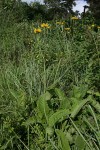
x=60 y=23
x=67 y=29
x=74 y=18
x=37 y=30
x=57 y=22
x=45 y=25
x=92 y=25
x=98 y=27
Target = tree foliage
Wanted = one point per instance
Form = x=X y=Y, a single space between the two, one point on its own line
x=60 y=7
x=13 y=10
x=95 y=8
x=18 y=11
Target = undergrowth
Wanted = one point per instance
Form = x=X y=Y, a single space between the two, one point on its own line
x=49 y=88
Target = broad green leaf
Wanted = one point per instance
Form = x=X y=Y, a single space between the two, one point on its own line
x=63 y=140
x=49 y=131
x=79 y=132
x=95 y=104
x=59 y=115
x=93 y=93
x=64 y=102
x=76 y=92
x=78 y=107
x=97 y=94
x=29 y=121
x=42 y=106
x=69 y=137
x=60 y=94
x=80 y=92
x=80 y=143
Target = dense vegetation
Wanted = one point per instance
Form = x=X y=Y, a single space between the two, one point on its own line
x=18 y=11
x=49 y=81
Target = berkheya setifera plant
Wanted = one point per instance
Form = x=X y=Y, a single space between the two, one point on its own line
x=64 y=122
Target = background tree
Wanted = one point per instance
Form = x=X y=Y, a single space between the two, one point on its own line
x=95 y=8
x=39 y=10
x=60 y=7
x=13 y=10
x=17 y=11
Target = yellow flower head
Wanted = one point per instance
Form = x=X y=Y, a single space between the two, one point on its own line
x=37 y=30
x=98 y=27
x=45 y=25
x=67 y=29
x=74 y=18
x=60 y=23
x=92 y=25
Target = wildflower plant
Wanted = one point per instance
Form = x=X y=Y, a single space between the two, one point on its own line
x=45 y=25
x=37 y=30
x=67 y=29
x=74 y=18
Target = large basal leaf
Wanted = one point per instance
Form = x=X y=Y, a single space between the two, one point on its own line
x=80 y=92
x=78 y=107
x=64 y=102
x=95 y=104
x=79 y=142
x=59 y=115
x=42 y=106
x=64 y=144
x=60 y=94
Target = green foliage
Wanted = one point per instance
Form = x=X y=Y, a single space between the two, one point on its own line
x=49 y=87
x=42 y=106
x=63 y=142
x=60 y=8
x=95 y=8
x=59 y=115
x=80 y=143
x=10 y=10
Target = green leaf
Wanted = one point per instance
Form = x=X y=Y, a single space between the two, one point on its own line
x=63 y=140
x=93 y=93
x=97 y=94
x=60 y=94
x=79 y=132
x=60 y=114
x=95 y=104
x=76 y=92
x=29 y=121
x=78 y=107
x=80 y=92
x=64 y=102
x=42 y=106
x=80 y=143
x=49 y=131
